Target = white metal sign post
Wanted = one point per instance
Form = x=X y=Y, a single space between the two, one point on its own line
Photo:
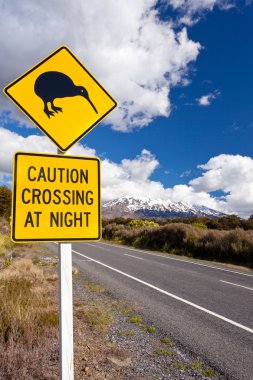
x=65 y=310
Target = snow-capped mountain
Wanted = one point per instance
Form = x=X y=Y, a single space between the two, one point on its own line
x=142 y=207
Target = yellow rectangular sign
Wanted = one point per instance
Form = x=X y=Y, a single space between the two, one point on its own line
x=61 y=97
x=55 y=198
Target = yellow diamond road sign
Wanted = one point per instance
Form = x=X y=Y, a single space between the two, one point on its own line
x=55 y=198
x=61 y=97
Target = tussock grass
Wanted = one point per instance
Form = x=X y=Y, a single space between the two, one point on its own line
x=208 y=372
x=181 y=366
x=23 y=269
x=151 y=329
x=26 y=309
x=167 y=342
x=93 y=287
x=195 y=366
x=96 y=317
x=28 y=319
x=5 y=244
x=125 y=310
x=165 y=352
x=125 y=333
x=135 y=319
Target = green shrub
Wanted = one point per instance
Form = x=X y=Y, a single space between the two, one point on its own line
x=138 y=223
x=136 y=319
x=151 y=329
x=5 y=202
x=234 y=246
x=97 y=317
x=165 y=352
x=5 y=244
x=200 y=225
x=208 y=372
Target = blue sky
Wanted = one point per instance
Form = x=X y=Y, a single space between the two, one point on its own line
x=192 y=133
x=197 y=108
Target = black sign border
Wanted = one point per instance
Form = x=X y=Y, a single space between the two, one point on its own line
x=13 y=216
x=35 y=122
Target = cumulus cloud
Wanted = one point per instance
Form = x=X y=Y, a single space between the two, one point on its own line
x=233 y=174
x=206 y=100
x=230 y=174
x=130 y=50
x=192 y=10
x=131 y=177
x=12 y=142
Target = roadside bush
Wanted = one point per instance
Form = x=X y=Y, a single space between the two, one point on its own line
x=138 y=223
x=200 y=225
x=5 y=202
x=115 y=231
x=5 y=243
x=227 y=223
x=234 y=246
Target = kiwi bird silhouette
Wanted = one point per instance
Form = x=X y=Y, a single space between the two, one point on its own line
x=54 y=84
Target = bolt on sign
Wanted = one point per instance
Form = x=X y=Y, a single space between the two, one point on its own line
x=55 y=198
x=61 y=97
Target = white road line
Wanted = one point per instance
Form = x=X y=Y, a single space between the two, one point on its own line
x=241 y=286
x=93 y=245
x=175 y=259
x=135 y=257
x=171 y=295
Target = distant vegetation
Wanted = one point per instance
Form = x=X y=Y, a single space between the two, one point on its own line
x=138 y=223
x=5 y=202
x=227 y=239
x=226 y=223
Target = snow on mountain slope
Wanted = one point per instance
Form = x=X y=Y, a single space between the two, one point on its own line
x=144 y=207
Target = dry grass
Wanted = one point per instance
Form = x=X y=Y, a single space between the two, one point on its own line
x=94 y=287
x=28 y=318
x=5 y=244
x=25 y=302
x=98 y=318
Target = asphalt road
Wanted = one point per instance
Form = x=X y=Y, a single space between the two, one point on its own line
x=205 y=307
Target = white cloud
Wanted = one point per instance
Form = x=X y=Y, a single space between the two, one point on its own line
x=231 y=174
x=131 y=177
x=12 y=142
x=142 y=167
x=186 y=173
x=192 y=10
x=135 y=179
x=132 y=52
x=206 y=100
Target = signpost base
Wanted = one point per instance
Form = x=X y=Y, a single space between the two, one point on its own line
x=66 y=312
